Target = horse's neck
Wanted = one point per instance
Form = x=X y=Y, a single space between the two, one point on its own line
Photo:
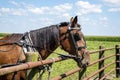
x=44 y=53
x=47 y=39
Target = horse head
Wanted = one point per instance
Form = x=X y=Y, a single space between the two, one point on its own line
x=72 y=40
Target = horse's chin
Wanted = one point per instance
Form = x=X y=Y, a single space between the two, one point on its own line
x=82 y=64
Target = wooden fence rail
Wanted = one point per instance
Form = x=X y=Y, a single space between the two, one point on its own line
x=101 y=59
x=66 y=74
x=29 y=65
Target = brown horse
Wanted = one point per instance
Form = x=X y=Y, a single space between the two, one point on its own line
x=10 y=53
x=44 y=40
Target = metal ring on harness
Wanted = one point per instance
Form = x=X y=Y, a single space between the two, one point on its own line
x=53 y=59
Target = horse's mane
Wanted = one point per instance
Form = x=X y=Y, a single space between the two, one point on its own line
x=46 y=38
x=63 y=24
x=66 y=24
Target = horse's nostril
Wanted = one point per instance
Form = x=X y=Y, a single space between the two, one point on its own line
x=87 y=64
x=84 y=66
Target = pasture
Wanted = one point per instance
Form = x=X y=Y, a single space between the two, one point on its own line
x=3 y=34
x=65 y=66
x=93 y=43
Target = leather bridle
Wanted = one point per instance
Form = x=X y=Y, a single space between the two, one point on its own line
x=76 y=47
x=69 y=31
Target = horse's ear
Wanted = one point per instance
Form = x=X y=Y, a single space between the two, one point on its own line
x=75 y=20
x=71 y=20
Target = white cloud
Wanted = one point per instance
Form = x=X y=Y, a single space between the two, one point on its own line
x=41 y=21
x=12 y=11
x=18 y=12
x=53 y=10
x=14 y=3
x=36 y=10
x=63 y=7
x=50 y=10
x=66 y=15
x=113 y=2
x=29 y=8
x=39 y=10
x=4 y=10
x=114 y=5
x=84 y=20
x=26 y=9
x=103 y=21
x=114 y=10
x=21 y=4
x=85 y=8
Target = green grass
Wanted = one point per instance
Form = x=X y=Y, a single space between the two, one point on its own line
x=3 y=34
x=103 y=38
x=93 y=43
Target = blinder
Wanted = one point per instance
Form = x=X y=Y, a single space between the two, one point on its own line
x=77 y=37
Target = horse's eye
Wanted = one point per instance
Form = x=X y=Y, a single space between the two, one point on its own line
x=77 y=37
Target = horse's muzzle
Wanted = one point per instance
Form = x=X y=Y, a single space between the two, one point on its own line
x=84 y=60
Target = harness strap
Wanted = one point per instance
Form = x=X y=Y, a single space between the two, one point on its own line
x=63 y=56
x=49 y=69
x=75 y=44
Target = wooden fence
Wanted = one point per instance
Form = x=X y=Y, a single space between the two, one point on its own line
x=102 y=66
x=100 y=71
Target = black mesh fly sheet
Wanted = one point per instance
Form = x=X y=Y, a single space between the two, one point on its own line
x=46 y=38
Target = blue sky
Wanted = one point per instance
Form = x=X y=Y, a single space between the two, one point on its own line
x=97 y=17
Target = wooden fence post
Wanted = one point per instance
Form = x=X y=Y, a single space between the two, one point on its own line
x=32 y=74
x=101 y=63
x=81 y=74
x=117 y=61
